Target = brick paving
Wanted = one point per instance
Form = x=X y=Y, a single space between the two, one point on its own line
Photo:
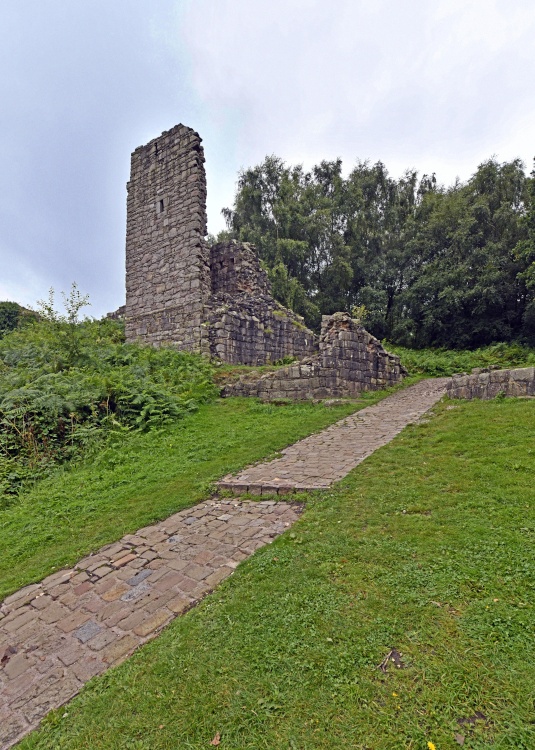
x=57 y=634
x=319 y=460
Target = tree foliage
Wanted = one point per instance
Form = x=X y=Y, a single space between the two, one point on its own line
x=13 y=315
x=426 y=265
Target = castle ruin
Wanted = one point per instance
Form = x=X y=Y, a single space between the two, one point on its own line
x=217 y=300
x=167 y=261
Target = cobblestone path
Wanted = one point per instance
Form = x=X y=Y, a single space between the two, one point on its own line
x=319 y=460
x=57 y=634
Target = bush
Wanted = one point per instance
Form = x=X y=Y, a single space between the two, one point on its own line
x=65 y=384
x=12 y=316
x=442 y=362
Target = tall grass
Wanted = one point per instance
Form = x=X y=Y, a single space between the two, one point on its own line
x=442 y=362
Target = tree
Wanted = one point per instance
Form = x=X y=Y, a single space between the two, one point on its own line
x=12 y=316
x=431 y=266
x=466 y=292
x=525 y=253
x=65 y=329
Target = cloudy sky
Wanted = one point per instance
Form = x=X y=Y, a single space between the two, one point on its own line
x=436 y=85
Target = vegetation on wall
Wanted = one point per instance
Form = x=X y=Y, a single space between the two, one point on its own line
x=426 y=265
x=65 y=383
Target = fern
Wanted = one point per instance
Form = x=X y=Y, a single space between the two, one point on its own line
x=65 y=385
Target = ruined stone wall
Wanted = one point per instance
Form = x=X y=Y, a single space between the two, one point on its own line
x=235 y=270
x=117 y=314
x=167 y=260
x=246 y=325
x=256 y=335
x=489 y=383
x=218 y=302
x=350 y=361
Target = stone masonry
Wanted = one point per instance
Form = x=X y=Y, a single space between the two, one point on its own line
x=179 y=291
x=489 y=383
x=349 y=361
x=167 y=258
x=246 y=325
x=217 y=301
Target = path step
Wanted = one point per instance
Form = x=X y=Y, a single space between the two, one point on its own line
x=319 y=460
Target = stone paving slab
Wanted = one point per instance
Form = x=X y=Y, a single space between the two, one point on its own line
x=58 y=634
x=319 y=460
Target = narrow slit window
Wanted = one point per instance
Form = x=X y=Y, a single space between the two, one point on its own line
x=160 y=206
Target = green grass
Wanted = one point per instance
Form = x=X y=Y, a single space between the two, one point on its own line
x=438 y=362
x=427 y=547
x=143 y=477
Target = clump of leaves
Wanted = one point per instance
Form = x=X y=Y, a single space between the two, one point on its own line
x=359 y=313
x=13 y=316
x=66 y=382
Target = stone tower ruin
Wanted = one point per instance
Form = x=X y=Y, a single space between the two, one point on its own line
x=217 y=301
x=167 y=260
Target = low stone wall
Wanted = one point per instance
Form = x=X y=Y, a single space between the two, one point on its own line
x=489 y=383
x=349 y=361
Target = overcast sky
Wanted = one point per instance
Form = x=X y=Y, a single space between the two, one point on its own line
x=436 y=85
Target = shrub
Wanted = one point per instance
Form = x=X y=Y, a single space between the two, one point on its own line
x=12 y=316
x=65 y=384
x=442 y=362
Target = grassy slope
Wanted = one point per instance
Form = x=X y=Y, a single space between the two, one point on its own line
x=143 y=478
x=438 y=362
x=426 y=547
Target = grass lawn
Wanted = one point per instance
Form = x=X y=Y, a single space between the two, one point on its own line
x=141 y=478
x=426 y=548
